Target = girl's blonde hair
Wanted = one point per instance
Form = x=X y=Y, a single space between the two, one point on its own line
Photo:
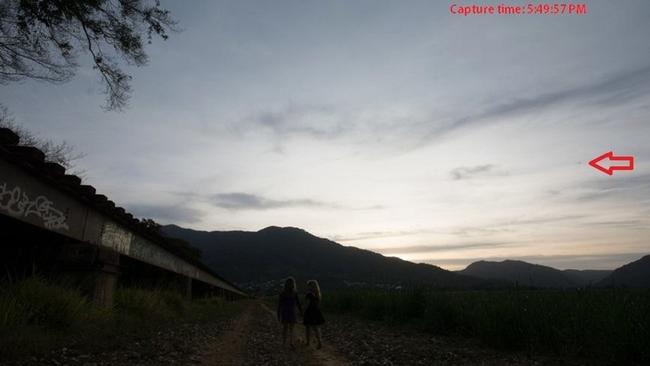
x=290 y=286
x=314 y=288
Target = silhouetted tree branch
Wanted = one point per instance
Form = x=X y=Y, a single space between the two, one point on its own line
x=39 y=39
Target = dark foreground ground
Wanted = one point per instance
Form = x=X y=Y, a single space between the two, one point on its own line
x=253 y=338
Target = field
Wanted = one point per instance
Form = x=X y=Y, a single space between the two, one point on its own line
x=514 y=326
x=611 y=325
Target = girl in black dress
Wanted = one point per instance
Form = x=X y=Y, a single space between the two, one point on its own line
x=313 y=317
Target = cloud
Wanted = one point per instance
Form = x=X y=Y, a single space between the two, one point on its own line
x=612 y=90
x=316 y=121
x=440 y=248
x=247 y=201
x=413 y=128
x=632 y=187
x=510 y=227
x=471 y=231
x=166 y=213
x=634 y=224
x=626 y=183
x=469 y=172
x=378 y=235
x=541 y=220
x=494 y=228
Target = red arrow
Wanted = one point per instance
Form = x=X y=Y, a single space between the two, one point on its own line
x=610 y=170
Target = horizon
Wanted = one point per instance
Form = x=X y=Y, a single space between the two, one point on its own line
x=397 y=129
x=531 y=260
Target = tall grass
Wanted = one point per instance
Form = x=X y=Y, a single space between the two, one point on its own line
x=37 y=315
x=34 y=302
x=594 y=323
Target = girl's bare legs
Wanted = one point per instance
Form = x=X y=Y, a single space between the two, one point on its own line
x=318 y=339
x=287 y=332
x=308 y=334
x=285 y=329
x=291 y=336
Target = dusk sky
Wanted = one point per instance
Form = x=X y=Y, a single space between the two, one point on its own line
x=392 y=126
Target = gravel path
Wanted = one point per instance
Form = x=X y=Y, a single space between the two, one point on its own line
x=255 y=339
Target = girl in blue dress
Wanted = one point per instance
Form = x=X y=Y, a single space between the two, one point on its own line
x=288 y=305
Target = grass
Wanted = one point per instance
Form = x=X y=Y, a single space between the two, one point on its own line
x=603 y=324
x=37 y=315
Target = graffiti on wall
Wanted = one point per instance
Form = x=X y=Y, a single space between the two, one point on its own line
x=116 y=238
x=17 y=203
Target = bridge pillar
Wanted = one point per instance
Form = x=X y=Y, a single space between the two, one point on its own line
x=95 y=270
x=188 y=288
x=107 y=269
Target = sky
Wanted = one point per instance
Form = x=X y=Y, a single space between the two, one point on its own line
x=392 y=126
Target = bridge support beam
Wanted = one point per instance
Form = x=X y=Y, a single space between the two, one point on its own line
x=108 y=265
x=188 y=288
x=94 y=269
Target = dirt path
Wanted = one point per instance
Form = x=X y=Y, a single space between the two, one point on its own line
x=226 y=349
x=326 y=356
x=255 y=339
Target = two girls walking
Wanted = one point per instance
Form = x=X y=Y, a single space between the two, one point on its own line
x=289 y=302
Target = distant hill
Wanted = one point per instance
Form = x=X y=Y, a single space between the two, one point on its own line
x=634 y=274
x=534 y=275
x=519 y=272
x=587 y=277
x=264 y=258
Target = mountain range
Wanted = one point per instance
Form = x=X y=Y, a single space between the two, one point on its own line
x=261 y=260
x=533 y=275
x=634 y=274
x=265 y=257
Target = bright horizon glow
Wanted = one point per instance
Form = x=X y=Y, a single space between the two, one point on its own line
x=390 y=126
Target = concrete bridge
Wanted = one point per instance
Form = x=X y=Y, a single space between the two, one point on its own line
x=51 y=223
